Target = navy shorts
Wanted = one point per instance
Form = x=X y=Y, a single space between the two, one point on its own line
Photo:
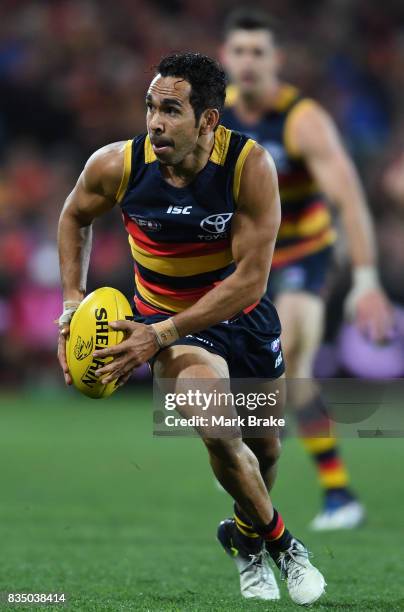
x=307 y=274
x=250 y=343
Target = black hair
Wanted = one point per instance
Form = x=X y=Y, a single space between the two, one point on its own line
x=252 y=19
x=204 y=74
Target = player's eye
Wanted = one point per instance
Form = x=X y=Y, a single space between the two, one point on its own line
x=149 y=105
x=258 y=52
x=172 y=111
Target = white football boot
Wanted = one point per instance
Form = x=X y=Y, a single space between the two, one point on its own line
x=348 y=516
x=305 y=582
x=257 y=579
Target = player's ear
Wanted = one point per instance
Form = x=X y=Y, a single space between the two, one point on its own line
x=209 y=120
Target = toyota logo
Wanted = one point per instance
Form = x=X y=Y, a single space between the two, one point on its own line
x=216 y=224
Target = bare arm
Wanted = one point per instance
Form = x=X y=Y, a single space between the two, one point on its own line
x=314 y=137
x=93 y=195
x=254 y=230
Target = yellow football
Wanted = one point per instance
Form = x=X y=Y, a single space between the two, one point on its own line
x=89 y=331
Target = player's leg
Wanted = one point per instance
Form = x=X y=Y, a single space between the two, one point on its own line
x=258 y=355
x=237 y=469
x=302 y=316
x=233 y=463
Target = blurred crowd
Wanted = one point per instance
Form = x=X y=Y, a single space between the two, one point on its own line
x=73 y=75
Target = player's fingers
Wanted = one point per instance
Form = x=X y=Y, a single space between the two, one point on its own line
x=117 y=349
x=62 y=355
x=122 y=325
x=122 y=380
x=112 y=366
x=122 y=368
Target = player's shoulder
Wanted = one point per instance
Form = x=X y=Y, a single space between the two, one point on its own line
x=306 y=121
x=105 y=167
x=260 y=158
x=258 y=170
x=108 y=160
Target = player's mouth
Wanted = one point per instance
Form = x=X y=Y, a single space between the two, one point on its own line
x=161 y=145
x=248 y=78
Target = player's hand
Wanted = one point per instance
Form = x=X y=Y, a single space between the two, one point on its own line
x=69 y=308
x=139 y=346
x=63 y=335
x=374 y=315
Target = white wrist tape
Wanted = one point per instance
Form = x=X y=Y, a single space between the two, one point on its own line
x=69 y=308
x=365 y=278
x=166 y=332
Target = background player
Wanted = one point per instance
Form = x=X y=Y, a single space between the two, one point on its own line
x=312 y=167
x=200 y=303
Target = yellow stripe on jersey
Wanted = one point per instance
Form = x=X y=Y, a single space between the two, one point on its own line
x=127 y=166
x=149 y=154
x=286 y=94
x=162 y=302
x=306 y=226
x=300 y=107
x=181 y=266
x=219 y=151
x=221 y=145
x=239 y=167
x=231 y=95
x=284 y=97
x=283 y=255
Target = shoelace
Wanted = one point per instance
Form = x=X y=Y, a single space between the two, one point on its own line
x=292 y=555
x=260 y=559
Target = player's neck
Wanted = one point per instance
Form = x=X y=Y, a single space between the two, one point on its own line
x=184 y=173
x=251 y=107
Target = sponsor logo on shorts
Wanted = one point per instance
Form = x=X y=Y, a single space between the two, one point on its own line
x=216 y=224
x=275 y=344
x=279 y=360
x=82 y=349
x=203 y=340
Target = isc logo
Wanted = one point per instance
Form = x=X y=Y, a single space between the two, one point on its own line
x=179 y=210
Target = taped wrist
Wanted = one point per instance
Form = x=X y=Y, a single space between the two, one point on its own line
x=166 y=332
x=69 y=308
x=364 y=279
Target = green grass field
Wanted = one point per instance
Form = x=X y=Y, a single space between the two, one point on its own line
x=93 y=505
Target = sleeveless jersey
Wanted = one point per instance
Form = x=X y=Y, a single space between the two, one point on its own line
x=180 y=237
x=306 y=221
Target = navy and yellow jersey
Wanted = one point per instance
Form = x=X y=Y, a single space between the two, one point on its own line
x=306 y=221
x=180 y=237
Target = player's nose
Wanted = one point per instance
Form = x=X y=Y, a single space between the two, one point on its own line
x=156 y=123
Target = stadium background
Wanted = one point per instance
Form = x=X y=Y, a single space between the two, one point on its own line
x=89 y=497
